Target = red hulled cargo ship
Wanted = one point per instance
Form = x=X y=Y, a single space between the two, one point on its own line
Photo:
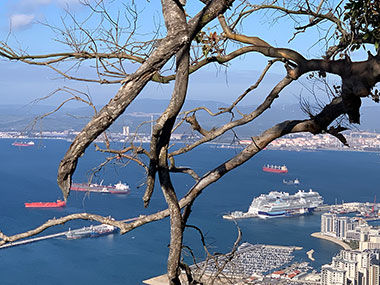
x=56 y=204
x=275 y=168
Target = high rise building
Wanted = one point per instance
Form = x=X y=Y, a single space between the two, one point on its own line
x=125 y=130
x=337 y=226
x=327 y=224
x=341 y=227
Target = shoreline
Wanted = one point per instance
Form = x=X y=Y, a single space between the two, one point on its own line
x=119 y=139
x=332 y=239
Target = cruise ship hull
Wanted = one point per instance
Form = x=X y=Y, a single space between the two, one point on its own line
x=269 y=215
x=288 y=213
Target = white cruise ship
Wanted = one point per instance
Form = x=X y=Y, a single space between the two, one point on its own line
x=280 y=204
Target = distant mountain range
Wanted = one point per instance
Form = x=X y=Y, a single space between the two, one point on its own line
x=22 y=118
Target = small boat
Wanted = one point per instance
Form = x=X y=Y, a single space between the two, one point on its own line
x=56 y=204
x=30 y=143
x=291 y=182
x=275 y=168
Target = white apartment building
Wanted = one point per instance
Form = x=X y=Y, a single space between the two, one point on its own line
x=352 y=267
x=328 y=224
x=337 y=226
x=369 y=239
x=332 y=276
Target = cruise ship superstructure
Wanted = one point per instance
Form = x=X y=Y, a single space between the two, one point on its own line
x=280 y=204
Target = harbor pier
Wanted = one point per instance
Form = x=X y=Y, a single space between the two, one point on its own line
x=35 y=239
x=31 y=240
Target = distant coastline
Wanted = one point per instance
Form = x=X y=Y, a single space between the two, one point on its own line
x=332 y=239
x=358 y=141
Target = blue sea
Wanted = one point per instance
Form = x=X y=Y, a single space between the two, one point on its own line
x=29 y=174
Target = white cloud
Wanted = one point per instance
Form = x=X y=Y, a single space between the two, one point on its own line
x=21 y=20
x=23 y=12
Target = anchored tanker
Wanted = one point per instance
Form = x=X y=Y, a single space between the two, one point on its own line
x=119 y=188
x=280 y=204
x=57 y=204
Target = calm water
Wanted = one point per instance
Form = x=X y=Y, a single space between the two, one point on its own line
x=29 y=174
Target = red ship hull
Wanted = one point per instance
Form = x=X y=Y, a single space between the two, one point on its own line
x=57 y=204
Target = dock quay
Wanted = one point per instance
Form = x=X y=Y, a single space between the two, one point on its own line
x=35 y=239
x=323 y=208
x=31 y=240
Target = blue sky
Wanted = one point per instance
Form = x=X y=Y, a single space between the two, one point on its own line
x=20 y=83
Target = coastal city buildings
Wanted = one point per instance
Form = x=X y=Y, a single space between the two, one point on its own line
x=337 y=226
x=354 y=266
x=358 y=141
x=124 y=136
x=361 y=141
x=369 y=238
x=332 y=276
x=351 y=229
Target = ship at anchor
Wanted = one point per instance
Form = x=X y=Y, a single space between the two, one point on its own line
x=119 y=188
x=91 y=231
x=275 y=168
x=291 y=182
x=57 y=204
x=24 y=144
x=280 y=204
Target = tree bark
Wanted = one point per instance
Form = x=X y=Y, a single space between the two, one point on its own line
x=132 y=86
